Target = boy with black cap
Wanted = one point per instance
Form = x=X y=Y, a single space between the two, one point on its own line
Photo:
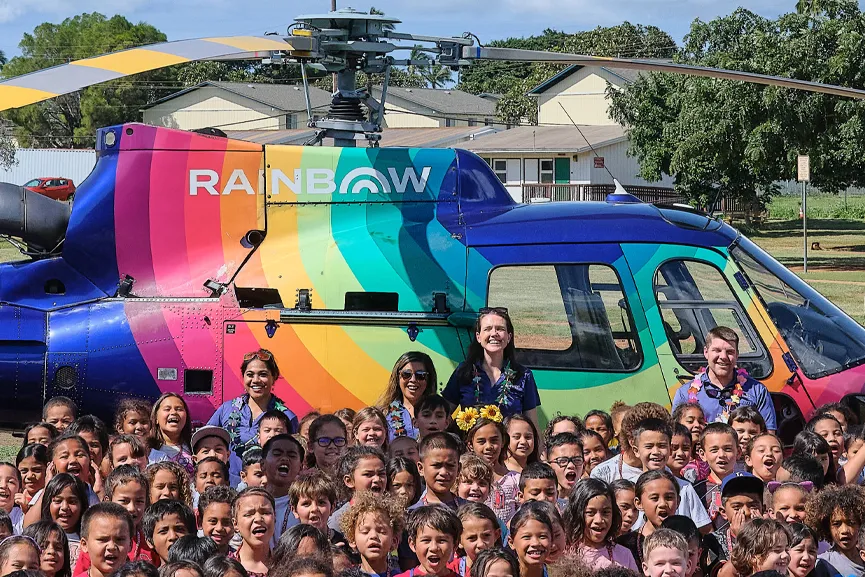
x=741 y=500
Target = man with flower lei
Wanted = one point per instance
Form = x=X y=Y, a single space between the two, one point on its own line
x=722 y=386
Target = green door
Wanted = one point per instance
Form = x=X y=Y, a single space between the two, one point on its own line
x=563 y=170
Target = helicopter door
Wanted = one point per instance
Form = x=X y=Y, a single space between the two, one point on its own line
x=578 y=323
x=687 y=291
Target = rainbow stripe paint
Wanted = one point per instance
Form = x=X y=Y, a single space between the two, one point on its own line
x=175 y=210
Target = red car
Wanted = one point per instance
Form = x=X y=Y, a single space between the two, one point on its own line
x=53 y=187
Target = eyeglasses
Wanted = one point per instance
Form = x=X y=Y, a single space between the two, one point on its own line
x=501 y=311
x=563 y=462
x=407 y=374
x=261 y=355
x=328 y=441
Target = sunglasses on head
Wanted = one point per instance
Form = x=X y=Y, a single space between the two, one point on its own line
x=501 y=311
x=261 y=355
x=407 y=374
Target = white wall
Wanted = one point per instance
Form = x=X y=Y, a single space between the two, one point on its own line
x=625 y=168
x=35 y=163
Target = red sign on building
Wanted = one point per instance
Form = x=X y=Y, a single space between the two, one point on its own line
x=599 y=162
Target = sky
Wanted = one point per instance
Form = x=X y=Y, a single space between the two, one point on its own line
x=488 y=19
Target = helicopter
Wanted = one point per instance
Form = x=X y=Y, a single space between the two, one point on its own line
x=186 y=250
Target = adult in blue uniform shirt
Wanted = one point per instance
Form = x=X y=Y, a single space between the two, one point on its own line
x=723 y=387
x=240 y=416
x=490 y=374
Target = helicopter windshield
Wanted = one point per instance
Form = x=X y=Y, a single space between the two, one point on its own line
x=821 y=337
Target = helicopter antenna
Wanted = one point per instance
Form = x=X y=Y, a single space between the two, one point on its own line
x=619 y=187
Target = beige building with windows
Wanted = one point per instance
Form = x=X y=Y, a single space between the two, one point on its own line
x=435 y=108
x=582 y=92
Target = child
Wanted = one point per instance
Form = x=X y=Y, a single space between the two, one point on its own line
x=719 y=449
x=522 y=448
x=563 y=424
x=372 y=527
x=433 y=533
x=799 y=467
x=18 y=553
x=307 y=567
x=531 y=538
x=5 y=525
x=172 y=431
x=432 y=415
x=665 y=554
x=283 y=456
x=829 y=428
x=346 y=415
x=565 y=455
x=60 y=412
x=761 y=545
x=763 y=456
x=680 y=450
x=480 y=532
x=209 y=472
x=812 y=444
x=192 y=549
x=54 y=558
x=474 y=479
x=601 y=422
x=165 y=522
x=369 y=427
x=538 y=482
x=141 y=569
x=168 y=480
x=496 y=562
x=592 y=521
x=222 y=567
x=180 y=569
x=10 y=485
x=127 y=450
x=41 y=433
x=842 y=413
x=273 y=422
x=361 y=468
x=625 y=492
x=618 y=411
x=313 y=498
x=439 y=458
x=627 y=465
x=64 y=502
x=595 y=450
x=559 y=540
x=836 y=515
x=327 y=442
x=404 y=447
x=306 y=423
x=299 y=541
x=133 y=417
x=657 y=497
x=788 y=501
x=691 y=416
x=211 y=441
x=685 y=527
x=106 y=533
x=214 y=516
x=253 y=517
x=803 y=550
x=741 y=500
x=252 y=471
x=748 y=423
x=95 y=434
x=403 y=480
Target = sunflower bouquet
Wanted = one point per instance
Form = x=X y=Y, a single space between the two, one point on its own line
x=466 y=418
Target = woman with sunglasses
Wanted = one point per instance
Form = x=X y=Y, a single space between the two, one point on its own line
x=490 y=374
x=240 y=416
x=413 y=377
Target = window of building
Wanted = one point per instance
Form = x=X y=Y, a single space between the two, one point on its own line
x=547 y=171
x=500 y=167
x=473 y=122
x=568 y=316
x=450 y=122
x=693 y=298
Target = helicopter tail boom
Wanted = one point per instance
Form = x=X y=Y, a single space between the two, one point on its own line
x=37 y=220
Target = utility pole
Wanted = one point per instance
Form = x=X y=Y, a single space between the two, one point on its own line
x=333 y=9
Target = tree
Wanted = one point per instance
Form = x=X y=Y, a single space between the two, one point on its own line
x=71 y=120
x=733 y=138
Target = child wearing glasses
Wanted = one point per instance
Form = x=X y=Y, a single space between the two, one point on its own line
x=327 y=441
x=413 y=378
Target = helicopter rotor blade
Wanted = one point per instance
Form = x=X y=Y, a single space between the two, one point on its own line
x=518 y=55
x=66 y=78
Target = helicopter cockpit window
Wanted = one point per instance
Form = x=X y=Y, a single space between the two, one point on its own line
x=693 y=298
x=568 y=317
x=821 y=337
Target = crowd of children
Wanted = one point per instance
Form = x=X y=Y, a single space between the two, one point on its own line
x=635 y=490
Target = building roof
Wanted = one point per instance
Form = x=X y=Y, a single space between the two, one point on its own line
x=627 y=76
x=547 y=139
x=405 y=137
x=445 y=101
x=285 y=97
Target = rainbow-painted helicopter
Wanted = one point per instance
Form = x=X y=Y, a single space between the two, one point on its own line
x=186 y=250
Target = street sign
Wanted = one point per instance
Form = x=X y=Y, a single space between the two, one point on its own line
x=803 y=164
x=599 y=162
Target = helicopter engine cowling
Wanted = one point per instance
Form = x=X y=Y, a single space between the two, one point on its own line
x=37 y=220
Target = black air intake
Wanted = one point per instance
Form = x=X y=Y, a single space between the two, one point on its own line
x=37 y=220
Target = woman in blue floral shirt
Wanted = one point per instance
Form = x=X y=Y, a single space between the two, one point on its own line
x=240 y=416
x=491 y=375
x=413 y=377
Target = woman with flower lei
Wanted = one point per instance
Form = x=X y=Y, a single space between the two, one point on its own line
x=413 y=377
x=240 y=416
x=490 y=374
